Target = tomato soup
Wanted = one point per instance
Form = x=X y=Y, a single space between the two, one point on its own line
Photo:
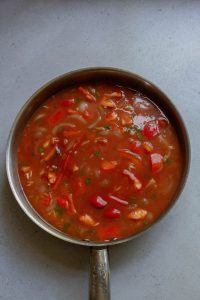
x=99 y=161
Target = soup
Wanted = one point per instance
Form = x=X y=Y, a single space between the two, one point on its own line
x=99 y=161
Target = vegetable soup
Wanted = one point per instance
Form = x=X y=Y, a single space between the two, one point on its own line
x=99 y=161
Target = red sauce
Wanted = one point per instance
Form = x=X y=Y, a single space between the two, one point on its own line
x=99 y=162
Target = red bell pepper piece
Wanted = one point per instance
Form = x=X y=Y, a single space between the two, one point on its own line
x=156 y=162
x=112 y=213
x=62 y=202
x=98 y=202
x=162 y=122
x=151 y=129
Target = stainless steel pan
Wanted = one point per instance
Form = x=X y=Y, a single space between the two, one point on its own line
x=99 y=261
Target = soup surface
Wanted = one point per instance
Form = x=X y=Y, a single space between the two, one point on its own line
x=99 y=161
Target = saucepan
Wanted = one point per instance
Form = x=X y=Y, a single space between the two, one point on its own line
x=99 y=260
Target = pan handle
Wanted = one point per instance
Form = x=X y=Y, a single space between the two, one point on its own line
x=99 y=274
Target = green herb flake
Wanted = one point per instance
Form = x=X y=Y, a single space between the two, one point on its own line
x=167 y=160
x=146 y=223
x=137 y=128
x=41 y=150
x=107 y=127
x=126 y=129
x=59 y=210
x=140 y=136
x=67 y=225
x=77 y=100
x=97 y=94
x=97 y=153
x=88 y=181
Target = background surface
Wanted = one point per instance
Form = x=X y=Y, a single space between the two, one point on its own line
x=160 y=40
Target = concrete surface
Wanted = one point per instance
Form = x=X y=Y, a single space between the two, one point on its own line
x=159 y=40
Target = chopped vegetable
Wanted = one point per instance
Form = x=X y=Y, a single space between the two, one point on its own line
x=101 y=140
x=151 y=129
x=126 y=119
x=167 y=160
x=134 y=157
x=59 y=210
x=51 y=177
x=156 y=162
x=114 y=95
x=88 y=181
x=88 y=220
x=98 y=202
x=51 y=153
x=83 y=106
x=71 y=111
x=151 y=184
x=97 y=153
x=107 y=127
x=26 y=169
x=108 y=165
x=87 y=115
x=118 y=200
x=111 y=116
x=87 y=94
x=148 y=146
x=107 y=103
x=140 y=136
x=112 y=213
x=41 y=150
x=72 y=208
x=131 y=176
x=137 y=214
x=62 y=202
x=162 y=122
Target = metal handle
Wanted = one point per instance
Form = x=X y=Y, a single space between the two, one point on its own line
x=99 y=274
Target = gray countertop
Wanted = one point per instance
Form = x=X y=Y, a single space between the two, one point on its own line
x=159 y=40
